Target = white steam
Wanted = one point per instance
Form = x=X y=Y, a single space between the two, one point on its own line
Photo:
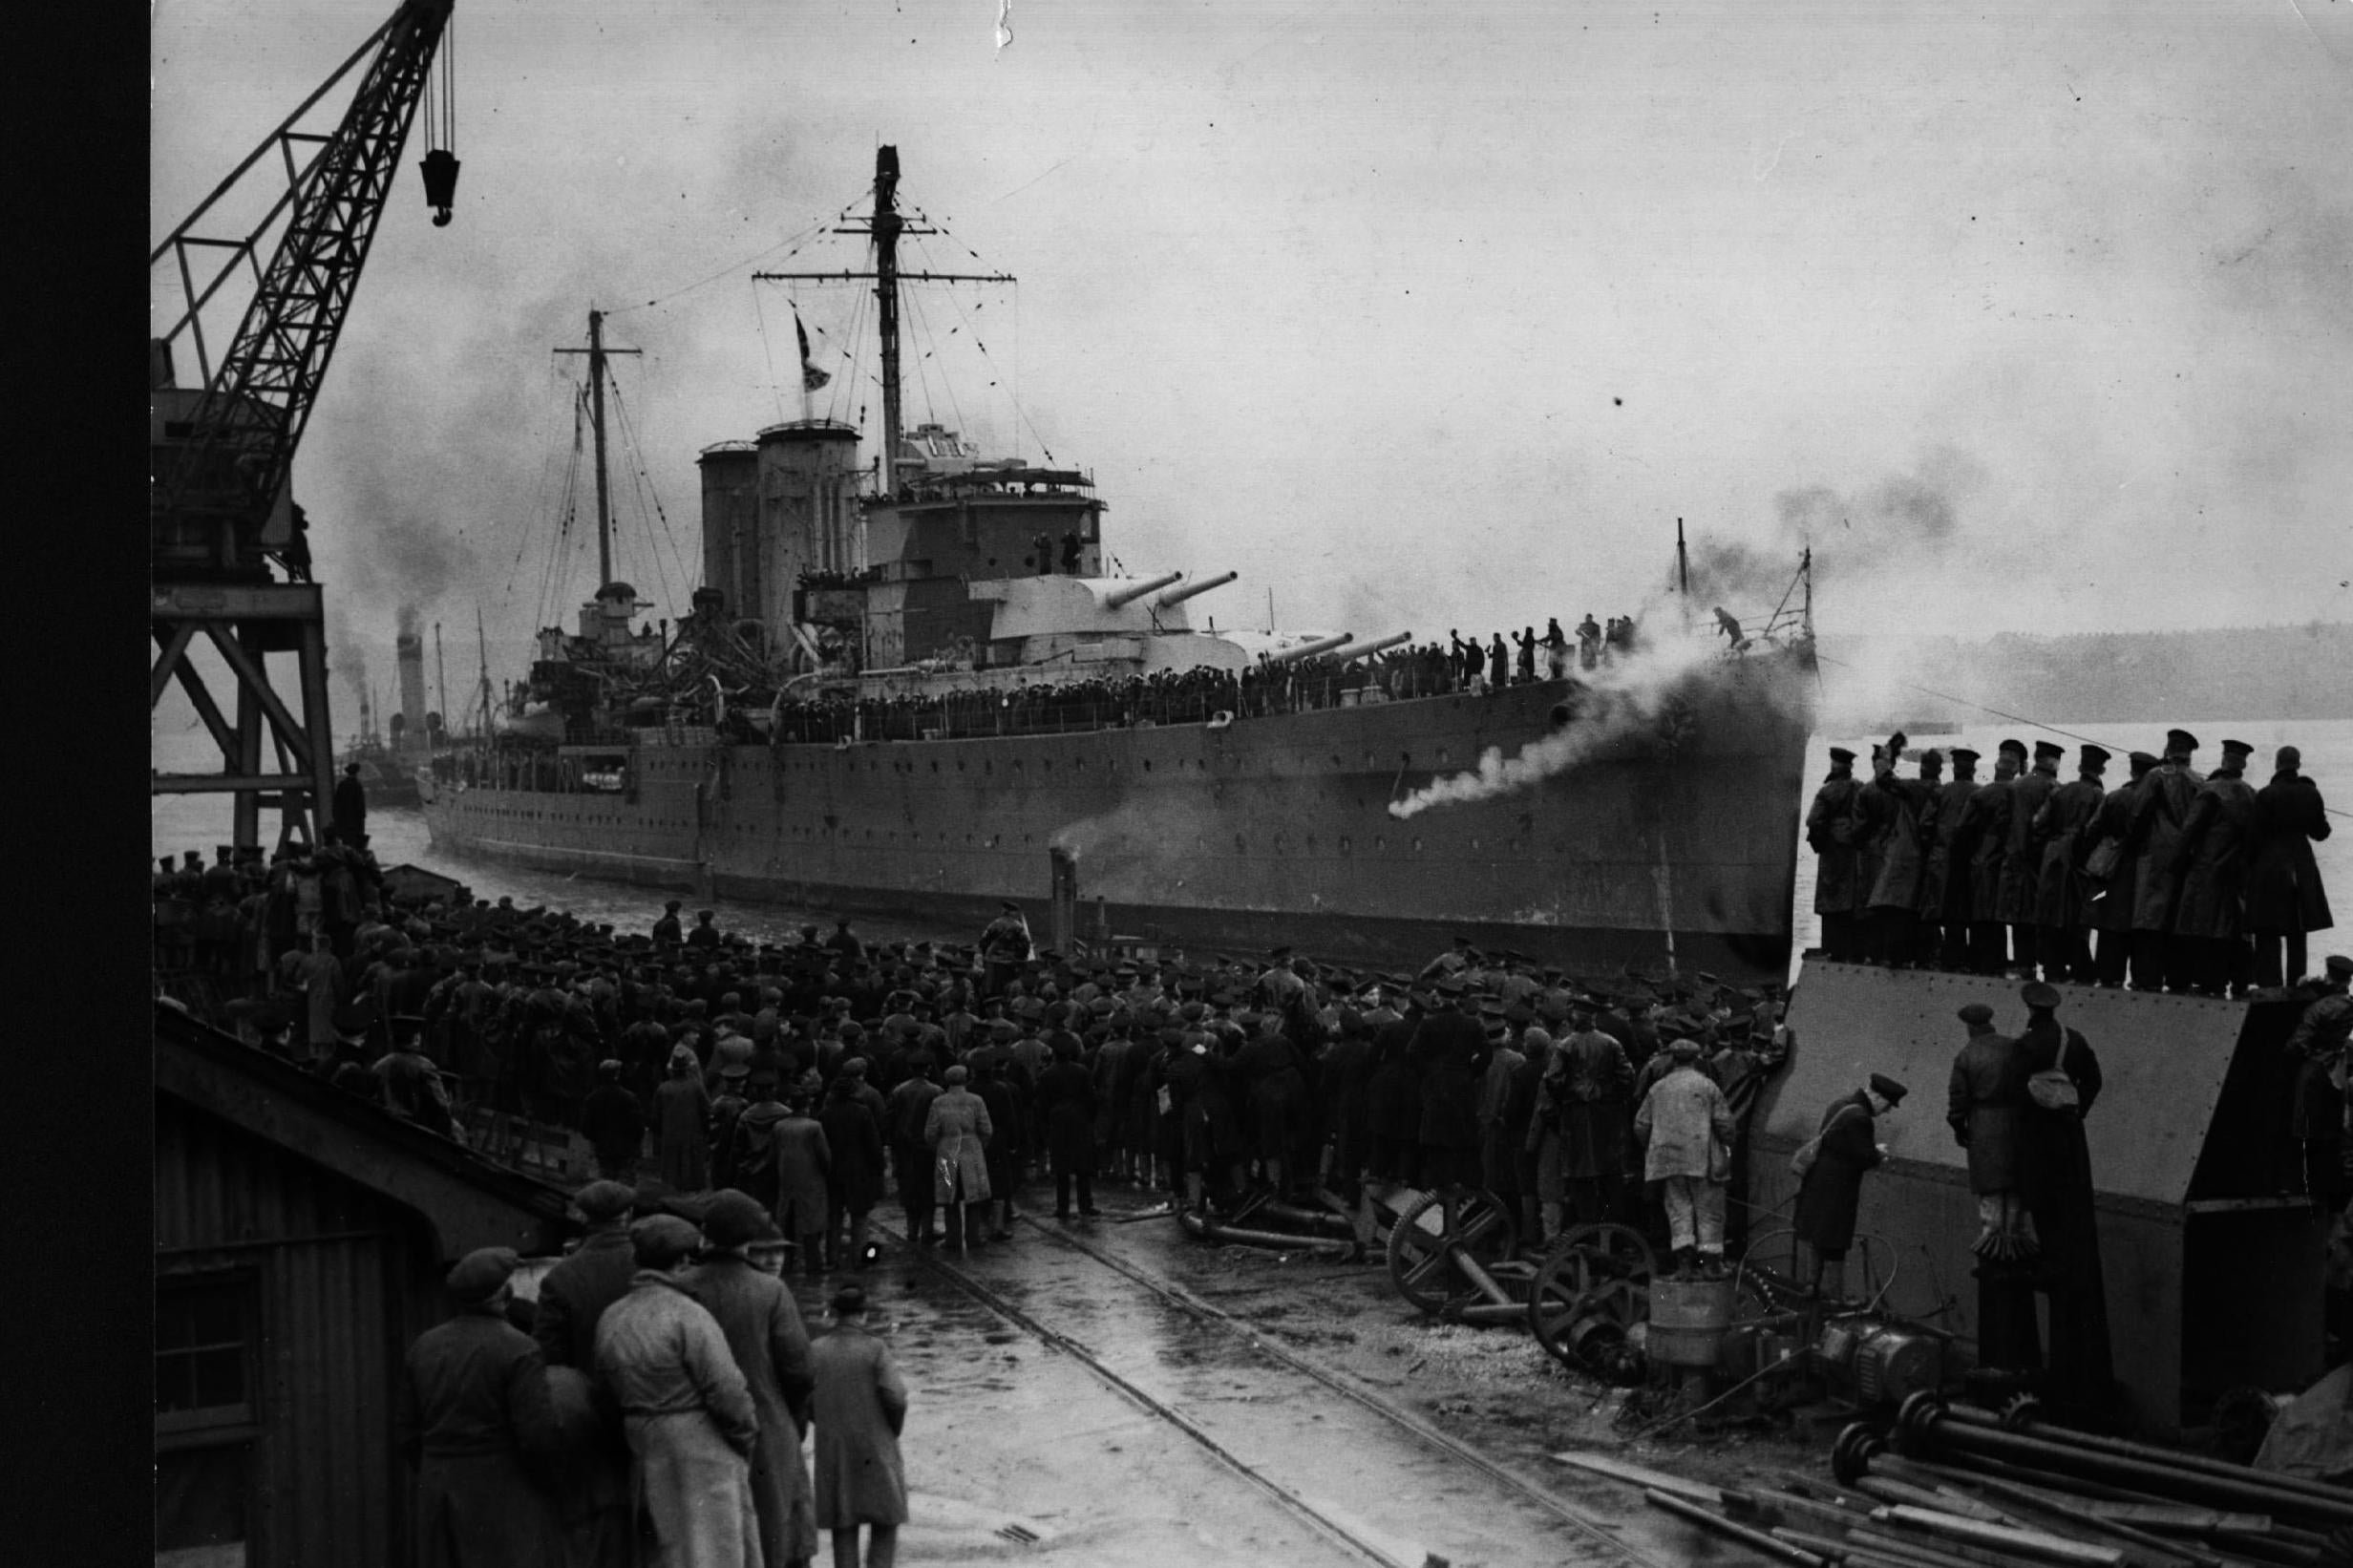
x=1651 y=693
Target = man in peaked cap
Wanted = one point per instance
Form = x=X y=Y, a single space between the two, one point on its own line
x=1005 y=947
x=1986 y=826
x=473 y=1417
x=594 y=1496
x=1829 y=1191
x=667 y=936
x=692 y=1423
x=2160 y=812
x=2108 y=899
x=2061 y=827
x=2318 y=1046
x=1944 y=862
x=2285 y=898
x=1985 y=1106
x=2211 y=860
x=2022 y=855
x=2062 y=1074
x=1838 y=892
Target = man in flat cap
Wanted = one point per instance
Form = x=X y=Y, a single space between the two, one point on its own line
x=755 y=1310
x=2062 y=830
x=1838 y=892
x=1985 y=1106
x=1831 y=1186
x=1945 y=864
x=2212 y=862
x=2284 y=896
x=2160 y=811
x=2111 y=877
x=1687 y=1130
x=594 y=1496
x=473 y=1417
x=692 y=1423
x=2316 y=1047
x=412 y=1084
x=2063 y=1082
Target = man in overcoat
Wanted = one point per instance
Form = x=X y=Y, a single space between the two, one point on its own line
x=2317 y=1050
x=573 y=1295
x=1944 y=865
x=853 y=1171
x=859 y=1411
x=1888 y=813
x=1838 y=892
x=1986 y=825
x=2057 y=1174
x=1066 y=1099
x=2212 y=861
x=757 y=1312
x=2109 y=901
x=2159 y=812
x=2061 y=827
x=1985 y=1106
x=2022 y=855
x=471 y=1416
x=691 y=1423
x=957 y=1129
x=1578 y=1125
x=1830 y=1192
x=907 y=1108
x=2284 y=896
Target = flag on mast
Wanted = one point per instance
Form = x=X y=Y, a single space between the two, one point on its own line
x=811 y=377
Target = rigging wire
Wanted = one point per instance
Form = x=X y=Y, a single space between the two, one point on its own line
x=1021 y=415
x=767 y=351
x=637 y=451
x=923 y=326
x=795 y=239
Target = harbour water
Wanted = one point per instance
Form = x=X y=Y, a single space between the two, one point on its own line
x=183 y=822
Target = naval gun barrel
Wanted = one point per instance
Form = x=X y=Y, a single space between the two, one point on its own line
x=1306 y=651
x=1358 y=650
x=1178 y=596
x=1122 y=596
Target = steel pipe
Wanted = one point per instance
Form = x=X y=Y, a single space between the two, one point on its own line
x=2029 y=1425
x=1756 y=1541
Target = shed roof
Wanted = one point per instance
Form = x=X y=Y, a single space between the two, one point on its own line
x=467 y=1200
x=2163 y=1060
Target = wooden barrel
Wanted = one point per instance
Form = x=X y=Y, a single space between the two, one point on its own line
x=1687 y=1319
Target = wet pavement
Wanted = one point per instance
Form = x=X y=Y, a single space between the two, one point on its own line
x=1062 y=1409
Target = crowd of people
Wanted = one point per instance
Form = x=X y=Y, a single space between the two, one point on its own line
x=2172 y=880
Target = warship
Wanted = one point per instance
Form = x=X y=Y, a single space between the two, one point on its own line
x=911 y=688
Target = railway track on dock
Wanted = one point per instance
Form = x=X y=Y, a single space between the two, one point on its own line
x=1301 y=1436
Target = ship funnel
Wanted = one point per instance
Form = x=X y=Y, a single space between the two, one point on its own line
x=1308 y=651
x=1358 y=650
x=1134 y=591
x=1178 y=596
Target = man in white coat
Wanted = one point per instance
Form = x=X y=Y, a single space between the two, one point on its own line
x=1687 y=1130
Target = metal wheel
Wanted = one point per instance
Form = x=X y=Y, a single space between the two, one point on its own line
x=1424 y=1241
x=1592 y=1289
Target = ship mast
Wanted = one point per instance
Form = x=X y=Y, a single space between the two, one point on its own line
x=885 y=225
x=597 y=353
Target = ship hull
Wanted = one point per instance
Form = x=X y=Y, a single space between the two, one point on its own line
x=1275 y=829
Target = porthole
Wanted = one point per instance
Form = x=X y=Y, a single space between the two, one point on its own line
x=1444 y=754
x=1344 y=843
x=1240 y=846
x=1417 y=846
x=1147 y=765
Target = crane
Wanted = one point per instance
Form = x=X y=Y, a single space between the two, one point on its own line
x=222 y=452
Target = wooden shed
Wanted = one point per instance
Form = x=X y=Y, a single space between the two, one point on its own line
x=302 y=1236
x=2213 y=1266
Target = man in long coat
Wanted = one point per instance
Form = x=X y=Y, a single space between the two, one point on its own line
x=1450 y=1051
x=1830 y=1192
x=908 y=1109
x=762 y=1322
x=1578 y=1125
x=1838 y=892
x=2109 y=901
x=473 y=1417
x=2316 y=1050
x=1067 y=1106
x=1986 y=826
x=573 y=1295
x=1945 y=862
x=854 y=1172
x=2022 y=856
x=859 y=1409
x=2057 y=1171
x=957 y=1129
x=2061 y=827
x=2160 y=810
x=1889 y=811
x=1985 y=1106
x=690 y=1417
x=2212 y=858
x=1687 y=1131
x=803 y=1159
x=2284 y=896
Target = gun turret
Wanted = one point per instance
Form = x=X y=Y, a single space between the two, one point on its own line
x=1358 y=650
x=1307 y=651
x=1178 y=596
x=1134 y=591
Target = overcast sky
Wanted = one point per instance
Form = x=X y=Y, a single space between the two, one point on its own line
x=1423 y=315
